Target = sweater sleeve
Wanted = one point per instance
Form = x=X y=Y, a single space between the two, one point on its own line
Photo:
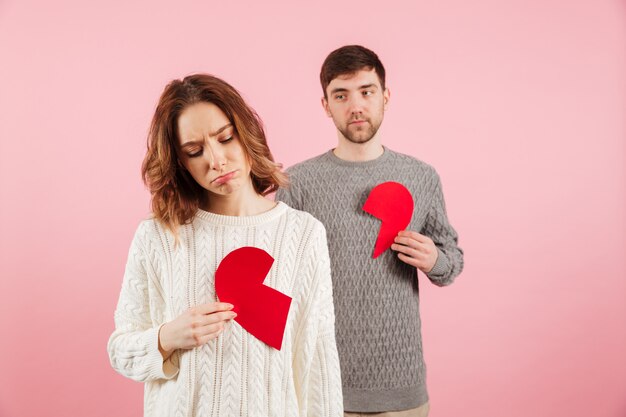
x=320 y=387
x=290 y=195
x=134 y=345
x=449 y=262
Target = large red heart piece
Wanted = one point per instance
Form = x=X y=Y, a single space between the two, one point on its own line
x=393 y=204
x=261 y=310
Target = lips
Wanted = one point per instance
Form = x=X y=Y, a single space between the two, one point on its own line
x=224 y=178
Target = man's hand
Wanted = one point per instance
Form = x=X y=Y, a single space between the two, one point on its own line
x=416 y=250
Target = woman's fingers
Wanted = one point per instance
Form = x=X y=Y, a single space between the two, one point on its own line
x=203 y=334
x=214 y=325
x=196 y=326
x=210 y=308
x=222 y=316
x=206 y=339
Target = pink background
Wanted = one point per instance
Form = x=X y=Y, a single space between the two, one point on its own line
x=519 y=104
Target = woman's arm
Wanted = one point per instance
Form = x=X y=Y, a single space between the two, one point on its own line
x=321 y=386
x=143 y=350
x=134 y=345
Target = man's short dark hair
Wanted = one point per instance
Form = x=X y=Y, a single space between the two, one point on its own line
x=348 y=60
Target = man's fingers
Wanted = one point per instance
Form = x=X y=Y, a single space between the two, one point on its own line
x=401 y=248
x=404 y=240
x=409 y=260
x=408 y=251
x=411 y=243
x=414 y=235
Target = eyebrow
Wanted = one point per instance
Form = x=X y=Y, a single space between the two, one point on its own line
x=343 y=90
x=217 y=132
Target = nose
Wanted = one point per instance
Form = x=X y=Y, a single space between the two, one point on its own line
x=355 y=104
x=216 y=156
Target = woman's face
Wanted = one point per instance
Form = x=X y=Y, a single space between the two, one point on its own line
x=211 y=151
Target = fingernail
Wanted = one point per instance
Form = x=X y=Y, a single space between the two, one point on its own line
x=235 y=310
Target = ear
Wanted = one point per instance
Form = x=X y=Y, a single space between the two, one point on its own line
x=386 y=96
x=325 y=106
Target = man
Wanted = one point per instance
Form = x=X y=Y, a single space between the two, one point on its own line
x=376 y=300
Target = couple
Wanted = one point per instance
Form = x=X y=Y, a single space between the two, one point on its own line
x=208 y=168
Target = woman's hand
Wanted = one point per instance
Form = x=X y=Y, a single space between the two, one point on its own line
x=195 y=327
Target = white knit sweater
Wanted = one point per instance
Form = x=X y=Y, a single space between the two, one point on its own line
x=235 y=374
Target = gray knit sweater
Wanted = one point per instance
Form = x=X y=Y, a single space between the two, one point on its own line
x=376 y=300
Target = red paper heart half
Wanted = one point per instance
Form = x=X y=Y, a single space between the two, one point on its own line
x=393 y=204
x=261 y=310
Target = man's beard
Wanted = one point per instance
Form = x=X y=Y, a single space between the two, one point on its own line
x=363 y=135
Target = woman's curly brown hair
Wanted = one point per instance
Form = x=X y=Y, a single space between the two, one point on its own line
x=176 y=196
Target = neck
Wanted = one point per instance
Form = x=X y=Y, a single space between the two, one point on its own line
x=358 y=152
x=244 y=202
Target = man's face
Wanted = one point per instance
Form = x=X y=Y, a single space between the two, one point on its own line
x=357 y=104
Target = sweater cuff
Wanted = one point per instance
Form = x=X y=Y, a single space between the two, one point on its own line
x=441 y=266
x=158 y=368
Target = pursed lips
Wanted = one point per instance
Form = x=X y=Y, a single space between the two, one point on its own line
x=223 y=178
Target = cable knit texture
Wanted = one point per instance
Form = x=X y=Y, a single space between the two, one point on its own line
x=376 y=300
x=235 y=374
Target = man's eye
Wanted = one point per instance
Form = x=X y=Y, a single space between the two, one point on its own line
x=340 y=97
x=368 y=93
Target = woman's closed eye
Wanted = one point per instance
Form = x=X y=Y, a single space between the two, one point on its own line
x=193 y=153
x=227 y=139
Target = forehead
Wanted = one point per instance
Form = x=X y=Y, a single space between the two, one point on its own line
x=199 y=120
x=354 y=80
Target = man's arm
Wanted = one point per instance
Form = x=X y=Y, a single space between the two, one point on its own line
x=290 y=195
x=435 y=250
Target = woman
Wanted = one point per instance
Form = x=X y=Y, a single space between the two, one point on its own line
x=208 y=168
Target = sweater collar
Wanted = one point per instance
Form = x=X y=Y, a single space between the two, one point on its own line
x=257 y=219
x=360 y=164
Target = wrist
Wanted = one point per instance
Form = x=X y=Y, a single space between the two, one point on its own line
x=164 y=348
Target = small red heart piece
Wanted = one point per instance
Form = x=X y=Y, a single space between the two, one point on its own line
x=261 y=310
x=393 y=204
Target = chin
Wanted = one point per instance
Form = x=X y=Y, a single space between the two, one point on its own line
x=226 y=189
x=360 y=140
